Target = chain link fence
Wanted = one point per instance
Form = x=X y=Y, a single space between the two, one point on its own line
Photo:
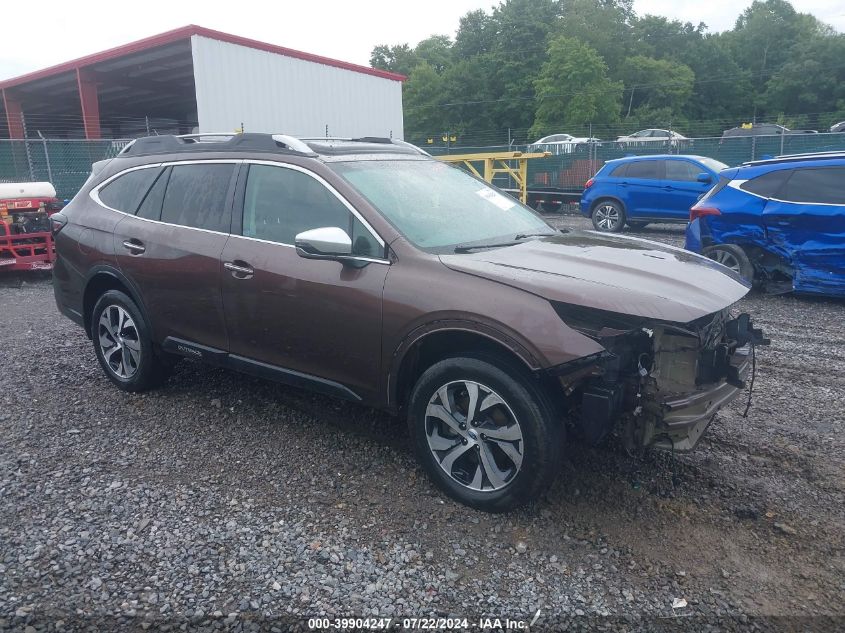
x=570 y=166
x=65 y=163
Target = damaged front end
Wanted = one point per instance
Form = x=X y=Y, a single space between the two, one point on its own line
x=659 y=383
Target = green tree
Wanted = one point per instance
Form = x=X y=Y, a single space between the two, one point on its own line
x=656 y=84
x=573 y=89
x=436 y=51
x=722 y=95
x=397 y=59
x=662 y=38
x=763 y=38
x=422 y=94
x=604 y=26
x=522 y=28
x=811 y=81
x=476 y=35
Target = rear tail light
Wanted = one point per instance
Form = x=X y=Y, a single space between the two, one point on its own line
x=699 y=212
x=589 y=183
x=57 y=222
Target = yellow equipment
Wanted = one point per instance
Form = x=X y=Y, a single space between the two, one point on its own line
x=495 y=163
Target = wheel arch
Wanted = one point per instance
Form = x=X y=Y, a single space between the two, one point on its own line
x=428 y=345
x=102 y=279
x=612 y=198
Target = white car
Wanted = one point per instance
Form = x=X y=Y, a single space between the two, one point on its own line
x=560 y=143
x=651 y=136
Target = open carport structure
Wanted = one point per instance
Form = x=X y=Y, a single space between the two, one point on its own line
x=195 y=78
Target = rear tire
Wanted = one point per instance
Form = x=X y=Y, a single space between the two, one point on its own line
x=502 y=456
x=733 y=257
x=608 y=216
x=123 y=344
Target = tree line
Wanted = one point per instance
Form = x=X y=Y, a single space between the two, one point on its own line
x=534 y=67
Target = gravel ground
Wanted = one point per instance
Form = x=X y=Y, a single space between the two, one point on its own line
x=225 y=502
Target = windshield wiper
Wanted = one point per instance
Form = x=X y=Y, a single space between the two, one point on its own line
x=466 y=248
x=523 y=236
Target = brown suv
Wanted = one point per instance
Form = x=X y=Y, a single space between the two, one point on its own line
x=365 y=269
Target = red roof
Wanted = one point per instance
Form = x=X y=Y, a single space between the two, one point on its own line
x=184 y=33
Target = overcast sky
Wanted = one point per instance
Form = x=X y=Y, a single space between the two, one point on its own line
x=47 y=32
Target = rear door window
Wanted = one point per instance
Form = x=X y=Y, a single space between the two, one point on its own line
x=823 y=185
x=125 y=192
x=682 y=170
x=196 y=196
x=648 y=169
x=767 y=185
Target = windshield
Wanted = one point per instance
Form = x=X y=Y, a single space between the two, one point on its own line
x=438 y=207
x=712 y=163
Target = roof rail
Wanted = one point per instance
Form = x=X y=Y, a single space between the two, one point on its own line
x=412 y=146
x=293 y=143
x=368 y=139
x=250 y=141
x=832 y=152
x=211 y=141
x=786 y=158
x=201 y=135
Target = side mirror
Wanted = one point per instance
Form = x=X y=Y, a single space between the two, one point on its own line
x=704 y=177
x=327 y=242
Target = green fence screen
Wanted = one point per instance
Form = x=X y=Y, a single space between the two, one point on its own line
x=67 y=163
x=570 y=167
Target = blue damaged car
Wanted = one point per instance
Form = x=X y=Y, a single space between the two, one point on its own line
x=779 y=223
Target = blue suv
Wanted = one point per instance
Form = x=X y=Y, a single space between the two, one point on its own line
x=779 y=223
x=637 y=190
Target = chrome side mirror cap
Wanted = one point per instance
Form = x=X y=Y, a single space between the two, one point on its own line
x=327 y=242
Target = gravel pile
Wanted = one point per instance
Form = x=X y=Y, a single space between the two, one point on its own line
x=225 y=502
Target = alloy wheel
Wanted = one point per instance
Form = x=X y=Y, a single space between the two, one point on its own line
x=727 y=259
x=119 y=341
x=474 y=435
x=607 y=217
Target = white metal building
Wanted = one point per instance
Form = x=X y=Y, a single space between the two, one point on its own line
x=195 y=77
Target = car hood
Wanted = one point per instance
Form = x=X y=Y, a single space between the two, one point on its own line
x=620 y=274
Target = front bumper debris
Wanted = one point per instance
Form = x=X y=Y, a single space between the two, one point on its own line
x=684 y=419
x=660 y=384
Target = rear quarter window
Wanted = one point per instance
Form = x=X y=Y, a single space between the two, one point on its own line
x=126 y=192
x=767 y=185
x=620 y=171
x=823 y=185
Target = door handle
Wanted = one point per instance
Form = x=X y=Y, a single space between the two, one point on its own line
x=134 y=246
x=668 y=188
x=240 y=270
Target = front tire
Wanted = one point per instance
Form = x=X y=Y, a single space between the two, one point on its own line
x=733 y=257
x=123 y=344
x=485 y=433
x=608 y=216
